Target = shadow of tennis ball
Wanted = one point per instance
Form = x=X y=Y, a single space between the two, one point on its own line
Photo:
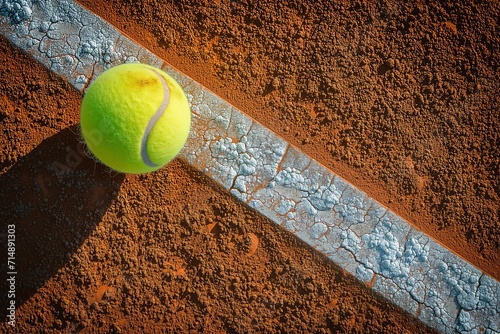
x=55 y=196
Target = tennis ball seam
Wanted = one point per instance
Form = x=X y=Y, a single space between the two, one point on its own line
x=152 y=121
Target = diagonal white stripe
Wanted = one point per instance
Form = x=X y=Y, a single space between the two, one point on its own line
x=261 y=169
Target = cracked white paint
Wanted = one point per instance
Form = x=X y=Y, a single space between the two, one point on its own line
x=264 y=171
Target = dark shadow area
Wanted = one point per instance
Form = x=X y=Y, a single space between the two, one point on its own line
x=50 y=202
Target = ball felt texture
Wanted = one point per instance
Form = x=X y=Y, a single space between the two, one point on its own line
x=135 y=118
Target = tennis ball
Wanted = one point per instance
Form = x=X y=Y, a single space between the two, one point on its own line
x=135 y=118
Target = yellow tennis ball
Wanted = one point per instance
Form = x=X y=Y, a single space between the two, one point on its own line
x=135 y=118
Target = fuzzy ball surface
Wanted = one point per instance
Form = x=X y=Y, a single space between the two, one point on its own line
x=135 y=118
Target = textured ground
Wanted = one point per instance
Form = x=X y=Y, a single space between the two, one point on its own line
x=93 y=257
x=401 y=99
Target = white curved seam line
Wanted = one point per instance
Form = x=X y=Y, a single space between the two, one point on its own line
x=161 y=110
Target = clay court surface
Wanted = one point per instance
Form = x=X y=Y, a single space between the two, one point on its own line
x=400 y=100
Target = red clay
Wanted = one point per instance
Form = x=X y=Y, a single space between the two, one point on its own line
x=399 y=99
x=98 y=252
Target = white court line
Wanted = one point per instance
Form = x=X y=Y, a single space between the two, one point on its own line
x=264 y=171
